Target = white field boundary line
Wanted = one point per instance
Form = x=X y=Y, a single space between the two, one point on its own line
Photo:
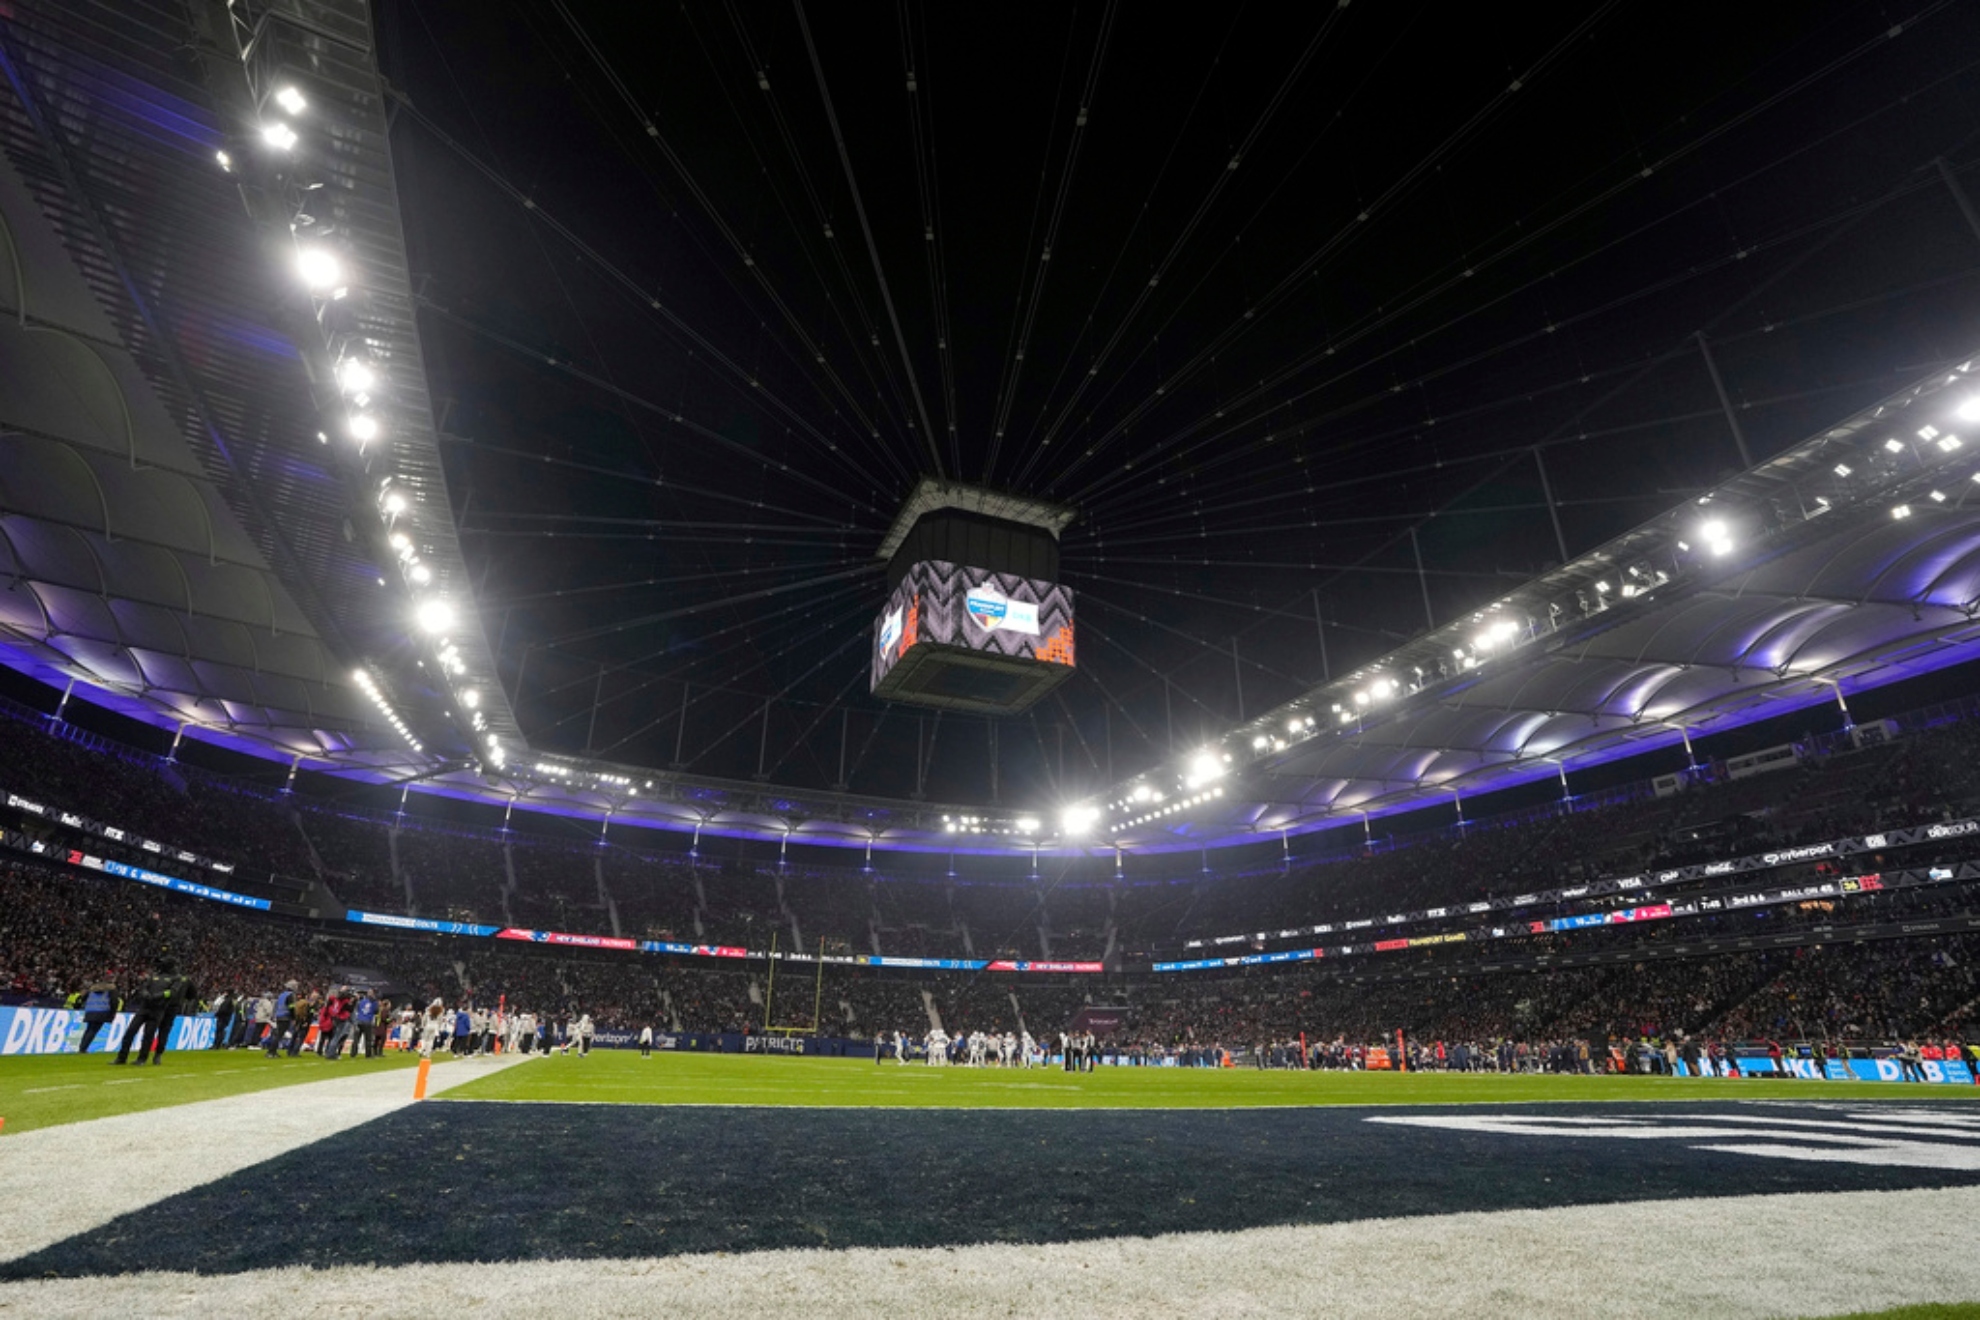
x=1893 y=1101
x=1739 y=1256
x=59 y=1181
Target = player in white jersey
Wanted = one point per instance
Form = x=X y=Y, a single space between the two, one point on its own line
x=432 y=1024
x=1009 y=1049
x=976 y=1049
x=938 y=1048
x=1026 y=1048
x=900 y=1048
x=584 y=1030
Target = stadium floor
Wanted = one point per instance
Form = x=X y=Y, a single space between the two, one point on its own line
x=340 y=1195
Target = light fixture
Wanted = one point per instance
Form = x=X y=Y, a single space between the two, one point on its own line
x=394 y=502
x=226 y=161
x=420 y=574
x=436 y=616
x=319 y=268
x=363 y=428
x=355 y=376
x=278 y=135
x=1205 y=766
x=470 y=698
x=1970 y=410
x=1901 y=511
x=1938 y=497
x=1843 y=469
x=1894 y=446
x=291 y=100
x=1947 y=443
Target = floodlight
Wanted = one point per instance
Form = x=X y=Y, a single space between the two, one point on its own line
x=355 y=376
x=226 y=161
x=364 y=428
x=1901 y=512
x=1948 y=443
x=319 y=268
x=470 y=698
x=291 y=100
x=394 y=502
x=420 y=574
x=278 y=135
x=1894 y=446
x=1843 y=469
x=1079 y=819
x=435 y=615
x=1970 y=410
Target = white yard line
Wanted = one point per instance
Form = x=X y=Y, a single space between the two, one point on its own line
x=59 y=1181
x=1734 y=1256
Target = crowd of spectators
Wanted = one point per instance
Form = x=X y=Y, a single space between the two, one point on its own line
x=59 y=929
x=400 y=864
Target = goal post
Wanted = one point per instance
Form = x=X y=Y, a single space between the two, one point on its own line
x=770 y=1026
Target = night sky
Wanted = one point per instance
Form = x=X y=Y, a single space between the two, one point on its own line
x=1260 y=288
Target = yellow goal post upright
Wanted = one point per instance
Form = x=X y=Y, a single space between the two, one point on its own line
x=817 y=995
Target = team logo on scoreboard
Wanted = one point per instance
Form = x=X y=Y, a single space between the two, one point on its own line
x=992 y=610
x=890 y=631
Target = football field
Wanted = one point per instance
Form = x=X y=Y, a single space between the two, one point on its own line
x=746 y=1186
x=624 y=1077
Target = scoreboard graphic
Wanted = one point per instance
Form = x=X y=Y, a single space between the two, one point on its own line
x=969 y=639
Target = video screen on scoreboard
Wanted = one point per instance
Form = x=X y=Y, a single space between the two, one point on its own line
x=944 y=604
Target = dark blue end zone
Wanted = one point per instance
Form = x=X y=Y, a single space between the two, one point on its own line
x=467 y=1181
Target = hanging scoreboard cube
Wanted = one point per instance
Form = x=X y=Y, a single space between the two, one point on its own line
x=976 y=619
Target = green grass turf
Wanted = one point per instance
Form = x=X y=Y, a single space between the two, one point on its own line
x=44 y=1090
x=1923 y=1311
x=623 y=1077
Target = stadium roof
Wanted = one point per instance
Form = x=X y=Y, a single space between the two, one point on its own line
x=307 y=376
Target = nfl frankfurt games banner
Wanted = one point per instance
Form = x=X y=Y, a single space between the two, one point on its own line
x=1644 y=884
x=56 y=853
x=83 y=824
x=1827 y=891
x=59 y=1031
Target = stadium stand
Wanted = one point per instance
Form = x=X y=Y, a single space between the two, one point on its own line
x=1697 y=978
